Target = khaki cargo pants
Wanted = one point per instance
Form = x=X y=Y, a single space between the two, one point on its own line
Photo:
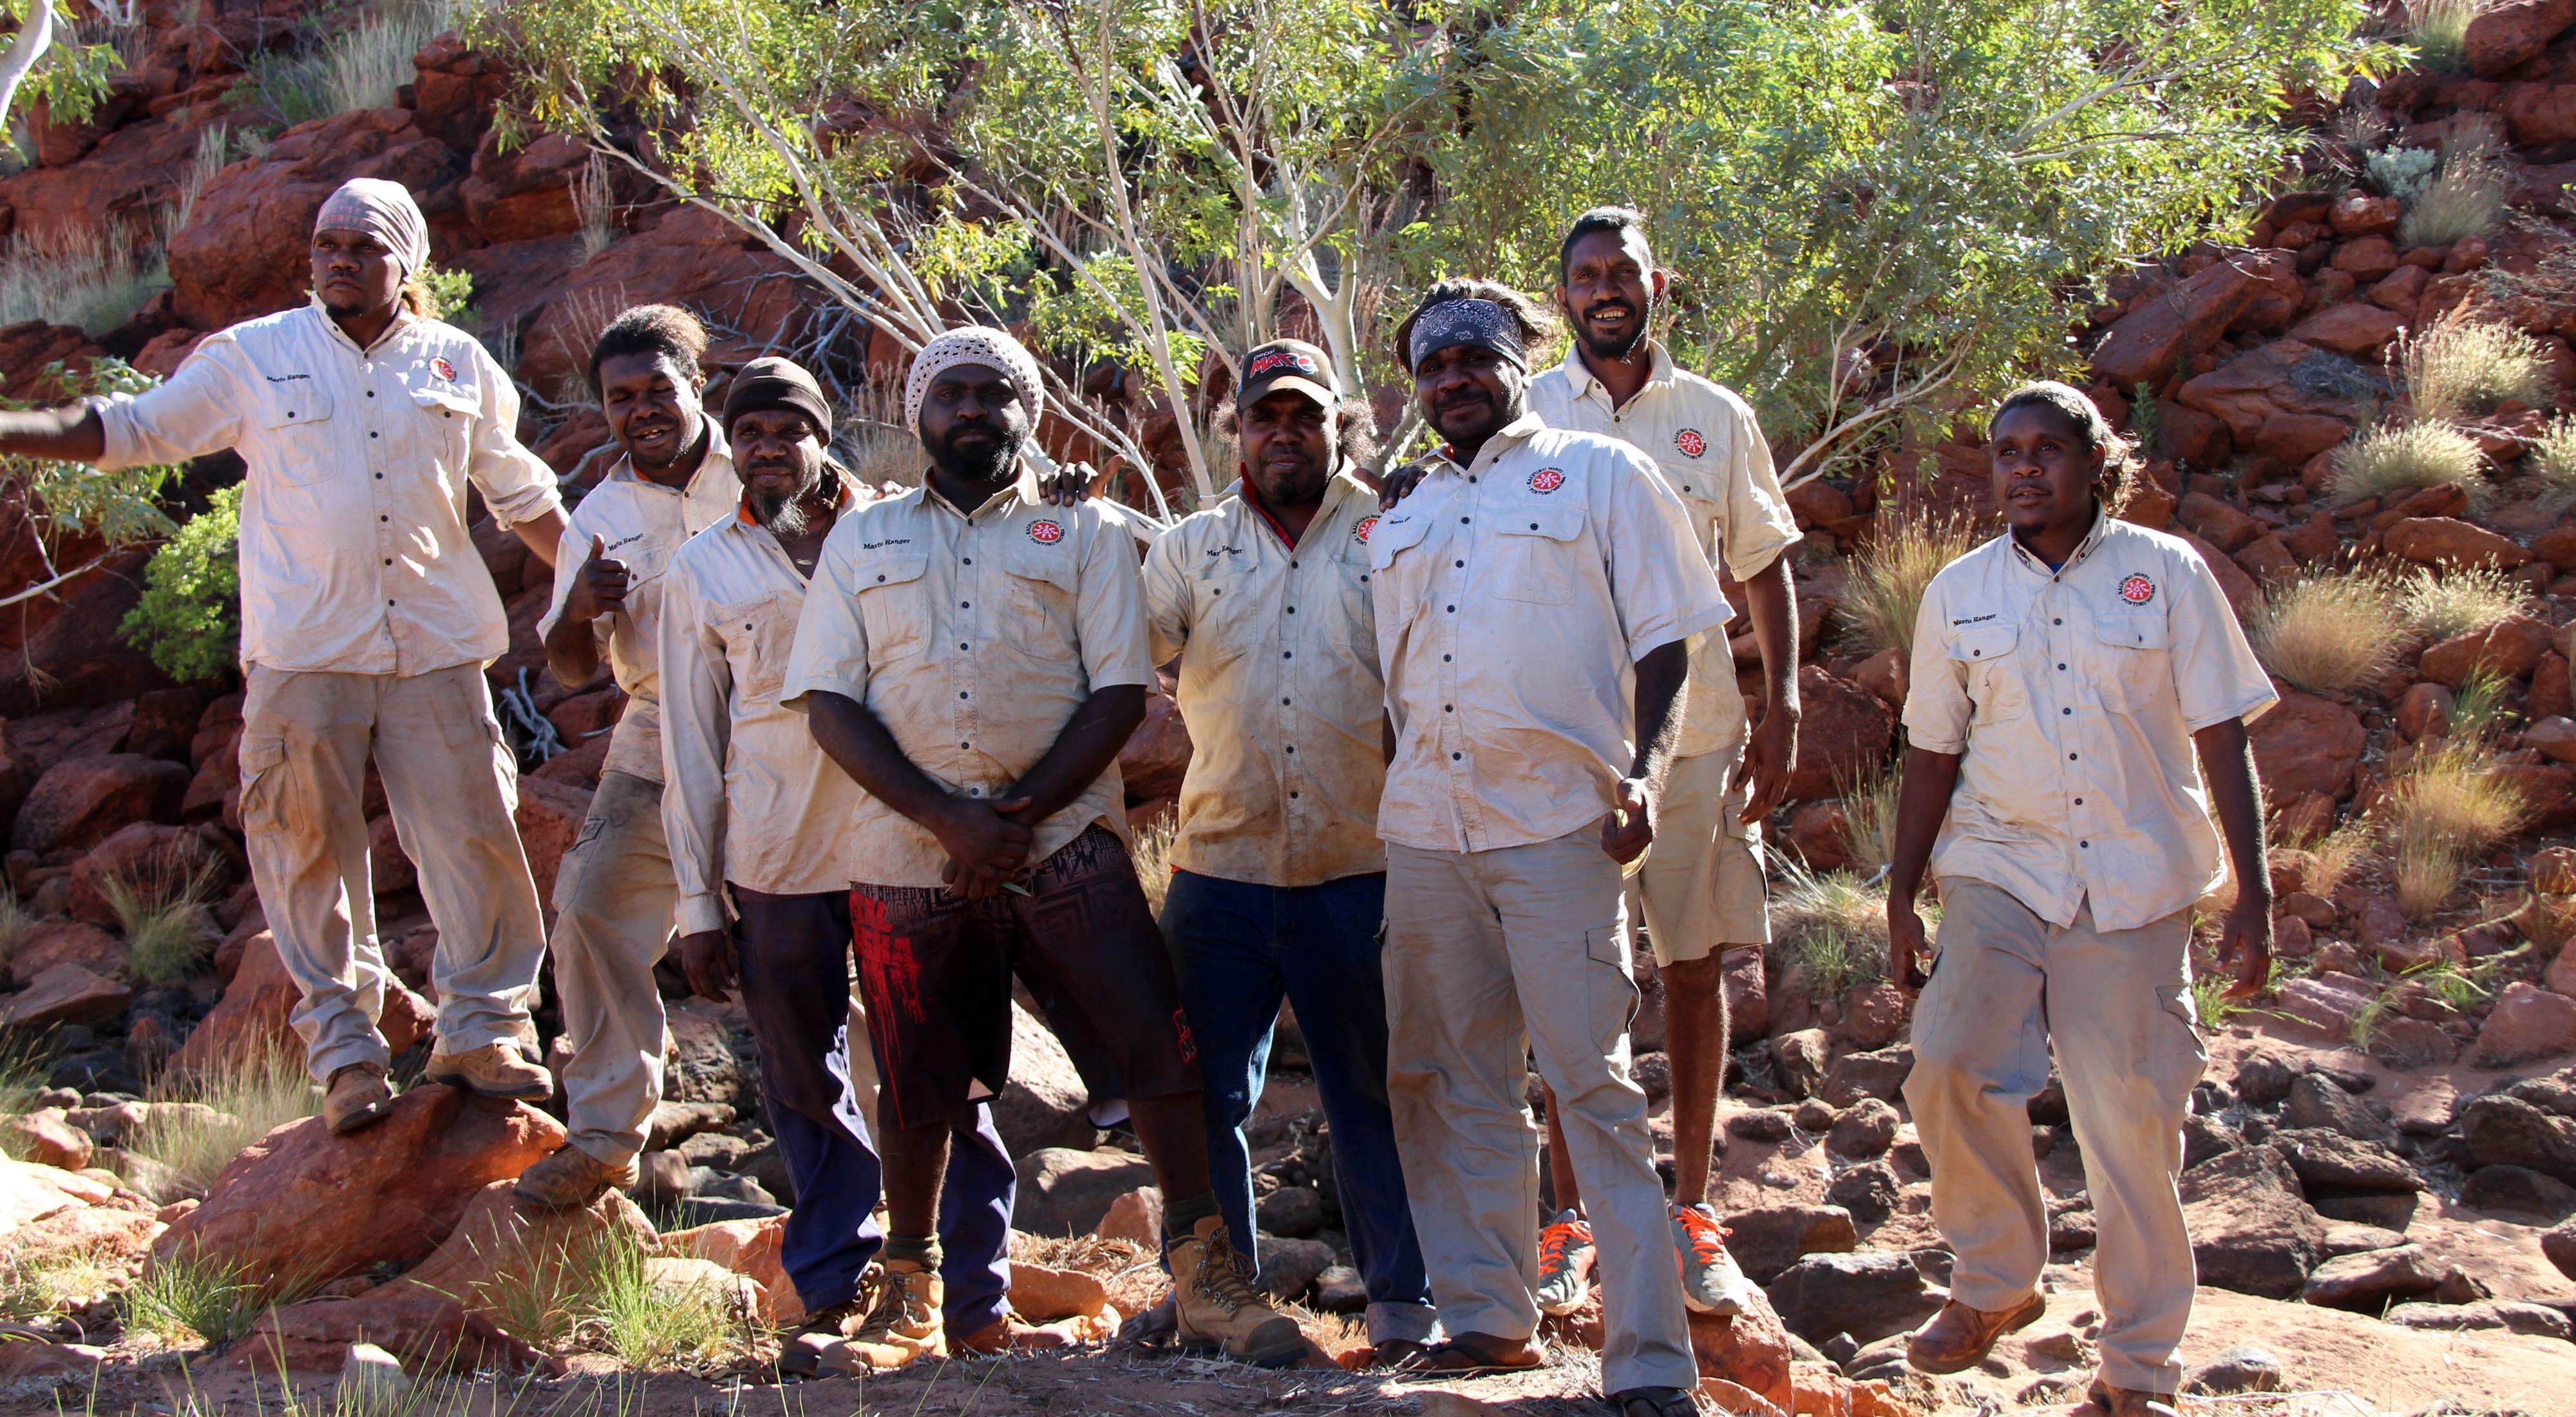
x=452 y=787
x=613 y=902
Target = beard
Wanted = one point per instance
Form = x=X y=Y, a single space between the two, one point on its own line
x=783 y=514
x=987 y=462
x=1625 y=346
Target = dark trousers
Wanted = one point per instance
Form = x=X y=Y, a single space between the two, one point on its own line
x=796 y=985
x=1240 y=949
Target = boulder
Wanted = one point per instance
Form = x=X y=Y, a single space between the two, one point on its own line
x=1066 y=1192
x=2251 y=1229
x=2146 y=345
x=80 y=803
x=2329 y=1158
x=2219 y=523
x=2507 y=649
x=2318 y=1101
x=2500 y=1315
x=1844 y=731
x=751 y=1249
x=2554 y=736
x=2322 y=1004
x=2559 y=1245
x=2369 y=1282
x=2528 y=1022
x=1869 y=1191
x=64 y=994
x=426 y=1333
x=2355 y=327
x=2358 y=213
x=301 y=1205
x=79 y=658
x=2241 y=1369
x=2506 y=1131
x=549 y=817
x=30 y=1193
x=54 y=942
x=1157 y=754
x=1880 y=1073
x=1868 y=1296
x=46 y=1138
x=1289 y=1267
x=2520 y=1192
x=1750 y=1350
x=2307 y=744
x=2448 y=541
x=1136 y=1217
x=1867 y=1130
x=251 y=1019
x=2502 y=36
x=1045 y=1103
x=1768 y=1239
x=498 y=1247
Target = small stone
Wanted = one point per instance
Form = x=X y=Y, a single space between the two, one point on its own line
x=2263 y=1079
x=1867 y=1130
x=1813 y=1116
x=372 y=1381
x=2368 y=1282
x=1290 y=1267
x=1868 y=1191
x=1295 y=1211
x=1769 y=1239
x=2518 y=1191
x=2511 y=1316
x=1340 y=1290
x=2243 y=1368
x=1763 y=1124
x=2559 y=1244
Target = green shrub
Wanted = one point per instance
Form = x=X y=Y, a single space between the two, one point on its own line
x=451 y=294
x=189 y=619
x=2408 y=456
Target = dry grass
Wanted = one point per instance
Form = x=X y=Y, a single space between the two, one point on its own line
x=2334 y=856
x=202 y=1299
x=243 y=1100
x=596 y=205
x=1889 y=572
x=2466 y=198
x=92 y=278
x=15 y=921
x=1154 y=859
x=2329 y=634
x=2462 y=367
x=1869 y=816
x=2439 y=31
x=2443 y=812
x=161 y=906
x=2553 y=454
x=1830 y=925
x=2405 y=457
x=2459 y=601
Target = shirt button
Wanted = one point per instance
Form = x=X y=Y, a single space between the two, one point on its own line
x=2070 y=757
x=371 y=434
x=2061 y=666
x=380 y=477
x=2057 y=622
x=969 y=560
x=1533 y=526
x=2066 y=710
x=1453 y=609
x=1471 y=481
x=1444 y=659
x=1292 y=609
x=1292 y=566
x=1448 y=708
x=965 y=745
x=965 y=605
x=748 y=627
x=2084 y=843
x=1462 y=521
x=389 y=560
x=1454 y=757
x=1283 y=703
x=1292 y=748
x=880 y=580
x=1292 y=796
x=1287 y=654
x=2079 y=801
x=371 y=393
x=384 y=519
x=961 y=693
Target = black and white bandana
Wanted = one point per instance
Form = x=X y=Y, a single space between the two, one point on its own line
x=1481 y=323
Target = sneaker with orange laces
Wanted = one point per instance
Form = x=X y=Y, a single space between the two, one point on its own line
x=1712 y=1282
x=1564 y=1264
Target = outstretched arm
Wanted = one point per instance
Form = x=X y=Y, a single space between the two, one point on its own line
x=71 y=433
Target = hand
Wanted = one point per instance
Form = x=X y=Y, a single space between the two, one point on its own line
x=1768 y=760
x=986 y=844
x=599 y=587
x=1905 y=945
x=1068 y=485
x=707 y=958
x=1399 y=484
x=1630 y=827
x=2247 y=939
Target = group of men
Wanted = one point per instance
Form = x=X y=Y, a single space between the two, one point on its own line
x=1443 y=733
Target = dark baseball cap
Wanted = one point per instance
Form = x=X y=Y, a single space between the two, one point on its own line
x=1288 y=364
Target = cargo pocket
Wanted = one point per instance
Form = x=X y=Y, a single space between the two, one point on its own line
x=263 y=784
x=2190 y=1044
x=505 y=764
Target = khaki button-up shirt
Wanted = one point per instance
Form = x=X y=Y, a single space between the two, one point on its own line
x=1514 y=597
x=973 y=637
x=644 y=524
x=750 y=798
x=2071 y=697
x=1279 y=686
x=354 y=551
x=1711 y=449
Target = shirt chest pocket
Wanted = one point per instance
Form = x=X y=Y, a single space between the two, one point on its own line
x=1397 y=571
x=1534 y=554
x=1224 y=608
x=894 y=604
x=298 y=419
x=443 y=420
x=758 y=635
x=2132 y=661
x=1042 y=579
x=1349 y=618
x=1995 y=685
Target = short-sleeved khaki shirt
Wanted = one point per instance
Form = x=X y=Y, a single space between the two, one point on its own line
x=644 y=525
x=1279 y=686
x=1711 y=449
x=2071 y=697
x=973 y=637
x=1514 y=597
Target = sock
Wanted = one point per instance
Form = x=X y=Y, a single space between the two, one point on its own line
x=1182 y=1217
x=922 y=1250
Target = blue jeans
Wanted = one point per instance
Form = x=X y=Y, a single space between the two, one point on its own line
x=1240 y=949
x=794 y=960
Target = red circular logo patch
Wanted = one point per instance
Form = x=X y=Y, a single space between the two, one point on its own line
x=1546 y=479
x=1690 y=442
x=1360 y=533
x=2137 y=590
x=1046 y=533
x=442 y=368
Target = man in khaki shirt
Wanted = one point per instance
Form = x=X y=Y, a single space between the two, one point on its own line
x=2066 y=675
x=758 y=820
x=367 y=618
x=672 y=479
x=1535 y=594
x=1701 y=886
x=1279 y=881
x=974 y=658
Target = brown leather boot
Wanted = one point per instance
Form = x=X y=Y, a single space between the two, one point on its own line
x=494 y=1070
x=570 y=1179
x=357 y=1096
x=905 y=1325
x=2129 y=1402
x=1215 y=1306
x=1959 y=1338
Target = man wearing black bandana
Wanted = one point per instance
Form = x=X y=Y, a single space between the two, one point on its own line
x=1533 y=594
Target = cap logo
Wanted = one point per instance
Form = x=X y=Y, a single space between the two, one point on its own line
x=1282 y=359
x=443 y=369
x=1690 y=441
x=1360 y=533
x=1546 y=479
x=1046 y=533
x=2137 y=590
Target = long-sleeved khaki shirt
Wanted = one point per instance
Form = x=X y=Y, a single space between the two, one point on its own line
x=2071 y=697
x=354 y=552
x=748 y=798
x=1279 y=686
x=1711 y=449
x=644 y=525
x=973 y=637
x=1514 y=597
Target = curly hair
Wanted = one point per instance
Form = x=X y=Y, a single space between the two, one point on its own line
x=1354 y=433
x=666 y=330
x=1537 y=326
x=2120 y=466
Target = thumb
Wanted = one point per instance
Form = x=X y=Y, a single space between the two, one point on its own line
x=598 y=546
x=1008 y=805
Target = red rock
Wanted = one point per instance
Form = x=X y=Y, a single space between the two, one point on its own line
x=387 y=865
x=2549 y=789
x=2553 y=691
x=1157 y=753
x=2502 y=36
x=303 y=1204
x=2279 y=296
x=31 y=1194
x=164 y=723
x=2145 y=345
x=2358 y=213
x=2447 y=499
x=1873 y=1016
x=250 y=1020
x=2269 y=561
x=523 y=192
x=2528 y=1022
x=1844 y=731
x=549 y=819
x=2510 y=648
x=1818 y=831
x=585 y=716
x=80 y=803
x=2447 y=541
x=1750 y=1349
x=149 y=855
x=2399 y=290
x=2307 y=744
x=2238 y=587
x=750 y=1248
x=1748 y=997
x=64 y=994
x=496 y=1237
x=54 y=942
x=2297 y=437
x=2191 y=436
x=43 y=1137
x=2557 y=546
x=2424 y=711
x=2217 y=522
x=453 y=98
x=1883 y=674
x=2351 y=327
x=426 y=1332
x=2554 y=736
x=2313 y=540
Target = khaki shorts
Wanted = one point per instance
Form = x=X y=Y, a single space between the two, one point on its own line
x=1702 y=889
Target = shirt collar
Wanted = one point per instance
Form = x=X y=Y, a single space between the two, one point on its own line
x=717 y=462
x=1583 y=381
x=403 y=317
x=1506 y=438
x=2084 y=548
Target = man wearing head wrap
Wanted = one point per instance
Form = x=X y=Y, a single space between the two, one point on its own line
x=974 y=659
x=367 y=617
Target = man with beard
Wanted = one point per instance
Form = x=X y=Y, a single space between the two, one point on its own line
x=974 y=659
x=755 y=813
x=1535 y=595
x=1701 y=886
x=1279 y=881
x=367 y=619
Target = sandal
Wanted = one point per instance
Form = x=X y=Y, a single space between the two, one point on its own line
x=1653 y=1402
x=1472 y=1355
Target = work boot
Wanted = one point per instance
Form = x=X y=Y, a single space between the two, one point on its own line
x=357 y=1096
x=801 y=1352
x=1564 y=1264
x=1959 y=1337
x=1712 y=1282
x=571 y=1178
x=494 y=1070
x=1215 y=1306
x=2129 y=1402
x=904 y=1325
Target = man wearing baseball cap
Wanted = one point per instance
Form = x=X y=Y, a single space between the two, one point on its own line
x=1279 y=881
x=367 y=619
